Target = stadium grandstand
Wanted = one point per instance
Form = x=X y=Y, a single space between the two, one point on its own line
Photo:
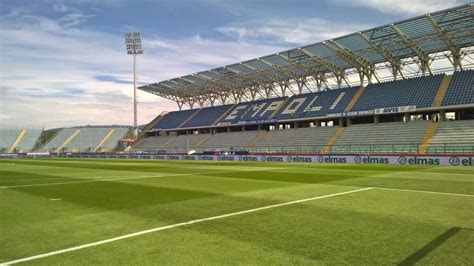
x=87 y=139
x=19 y=140
x=402 y=88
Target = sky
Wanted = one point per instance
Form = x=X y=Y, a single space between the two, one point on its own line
x=63 y=63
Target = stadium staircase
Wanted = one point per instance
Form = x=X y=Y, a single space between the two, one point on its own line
x=443 y=88
x=104 y=139
x=203 y=141
x=335 y=136
x=429 y=133
x=225 y=114
x=354 y=99
x=257 y=138
x=189 y=118
x=69 y=139
x=453 y=137
x=18 y=139
x=155 y=121
x=279 y=108
x=167 y=142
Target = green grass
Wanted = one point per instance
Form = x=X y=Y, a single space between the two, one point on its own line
x=101 y=199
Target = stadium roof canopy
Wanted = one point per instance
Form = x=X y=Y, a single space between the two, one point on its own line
x=417 y=41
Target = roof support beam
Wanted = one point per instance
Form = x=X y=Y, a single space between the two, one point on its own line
x=259 y=72
x=211 y=80
x=277 y=69
x=307 y=70
x=320 y=79
x=394 y=62
x=338 y=72
x=363 y=66
x=422 y=55
x=247 y=77
x=455 y=51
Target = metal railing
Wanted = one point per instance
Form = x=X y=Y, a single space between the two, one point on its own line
x=435 y=149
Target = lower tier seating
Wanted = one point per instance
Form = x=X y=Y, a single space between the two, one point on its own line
x=153 y=143
x=301 y=139
x=395 y=137
x=85 y=139
x=7 y=137
x=181 y=142
x=383 y=138
x=236 y=140
x=22 y=142
x=453 y=137
x=28 y=142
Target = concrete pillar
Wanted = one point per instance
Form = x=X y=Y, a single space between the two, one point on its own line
x=442 y=115
x=297 y=125
x=349 y=121
x=376 y=119
x=243 y=128
x=341 y=122
x=228 y=129
x=317 y=123
x=407 y=117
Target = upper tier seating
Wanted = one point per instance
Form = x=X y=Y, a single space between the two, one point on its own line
x=453 y=137
x=419 y=91
x=317 y=103
x=380 y=138
x=461 y=89
x=259 y=110
x=174 y=119
x=207 y=116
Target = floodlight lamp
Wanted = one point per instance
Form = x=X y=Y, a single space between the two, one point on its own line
x=133 y=43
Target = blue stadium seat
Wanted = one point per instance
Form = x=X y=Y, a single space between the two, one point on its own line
x=419 y=91
x=259 y=110
x=461 y=89
x=207 y=116
x=174 y=119
x=317 y=103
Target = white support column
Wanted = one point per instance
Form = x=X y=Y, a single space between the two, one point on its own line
x=135 y=112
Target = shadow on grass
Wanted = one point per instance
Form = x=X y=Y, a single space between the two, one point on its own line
x=428 y=248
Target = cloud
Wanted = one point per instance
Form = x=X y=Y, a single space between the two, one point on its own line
x=60 y=7
x=410 y=7
x=56 y=73
x=289 y=31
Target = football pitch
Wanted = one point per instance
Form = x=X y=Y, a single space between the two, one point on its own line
x=71 y=211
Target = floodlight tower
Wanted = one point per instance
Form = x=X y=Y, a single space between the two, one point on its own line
x=134 y=47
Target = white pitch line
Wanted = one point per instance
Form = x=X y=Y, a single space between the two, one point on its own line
x=425 y=191
x=90 y=181
x=176 y=225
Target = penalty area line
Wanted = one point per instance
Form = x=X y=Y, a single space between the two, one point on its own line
x=61 y=251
